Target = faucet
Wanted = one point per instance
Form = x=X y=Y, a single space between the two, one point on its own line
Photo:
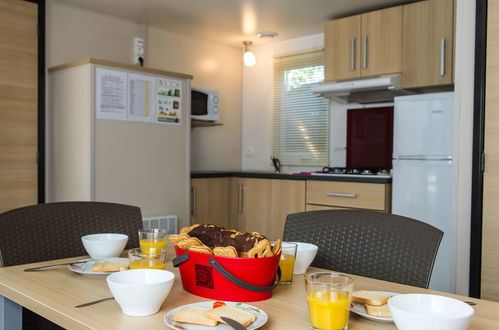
x=277 y=164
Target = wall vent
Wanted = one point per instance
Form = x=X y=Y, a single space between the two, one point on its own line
x=168 y=222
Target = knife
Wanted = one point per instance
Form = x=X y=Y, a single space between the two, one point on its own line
x=233 y=323
x=34 y=269
x=94 y=302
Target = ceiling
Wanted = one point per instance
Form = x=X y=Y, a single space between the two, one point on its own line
x=231 y=21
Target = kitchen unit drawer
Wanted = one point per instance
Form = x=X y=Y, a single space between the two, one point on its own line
x=349 y=195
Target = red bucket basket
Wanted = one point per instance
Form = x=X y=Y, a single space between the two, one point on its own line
x=224 y=278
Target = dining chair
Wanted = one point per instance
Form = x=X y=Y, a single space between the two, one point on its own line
x=53 y=231
x=368 y=243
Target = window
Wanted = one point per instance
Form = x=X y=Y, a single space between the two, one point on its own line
x=300 y=128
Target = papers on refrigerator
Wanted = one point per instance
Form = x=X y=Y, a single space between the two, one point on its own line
x=110 y=88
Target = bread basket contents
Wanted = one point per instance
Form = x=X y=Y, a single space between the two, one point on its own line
x=374 y=302
x=214 y=315
x=218 y=241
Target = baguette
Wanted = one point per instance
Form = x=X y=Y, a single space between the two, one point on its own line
x=378 y=311
x=194 y=314
x=241 y=316
x=110 y=265
x=370 y=298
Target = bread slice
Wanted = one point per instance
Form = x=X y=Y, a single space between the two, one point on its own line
x=370 y=298
x=241 y=316
x=382 y=310
x=110 y=265
x=194 y=314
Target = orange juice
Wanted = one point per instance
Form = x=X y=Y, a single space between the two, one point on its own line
x=149 y=245
x=147 y=264
x=328 y=310
x=287 y=264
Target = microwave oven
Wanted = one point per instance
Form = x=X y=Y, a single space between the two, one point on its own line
x=205 y=104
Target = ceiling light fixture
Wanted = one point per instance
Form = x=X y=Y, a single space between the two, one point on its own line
x=267 y=34
x=249 y=58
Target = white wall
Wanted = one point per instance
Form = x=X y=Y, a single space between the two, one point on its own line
x=257 y=100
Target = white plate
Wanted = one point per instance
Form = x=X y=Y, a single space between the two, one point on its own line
x=84 y=267
x=359 y=309
x=261 y=316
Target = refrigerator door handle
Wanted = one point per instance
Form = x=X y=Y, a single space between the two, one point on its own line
x=424 y=157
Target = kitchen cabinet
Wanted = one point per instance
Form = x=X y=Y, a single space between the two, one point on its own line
x=322 y=195
x=262 y=205
x=364 y=45
x=210 y=201
x=428 y=43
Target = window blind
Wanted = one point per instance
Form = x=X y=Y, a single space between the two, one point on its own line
x=300 y=119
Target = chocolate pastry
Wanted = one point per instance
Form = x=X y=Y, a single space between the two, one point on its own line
x=214 y=236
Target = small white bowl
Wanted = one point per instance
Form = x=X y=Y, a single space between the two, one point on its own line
x=429 y=312
x=140 y=292
x=101 y=246
x=305 y=254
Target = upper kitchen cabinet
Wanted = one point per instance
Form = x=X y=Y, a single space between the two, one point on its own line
x=428 y=44
x=364 y=45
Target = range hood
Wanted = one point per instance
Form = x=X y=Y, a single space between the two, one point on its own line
x=367 y=90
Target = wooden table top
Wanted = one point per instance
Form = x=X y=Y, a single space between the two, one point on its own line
x=53 y=293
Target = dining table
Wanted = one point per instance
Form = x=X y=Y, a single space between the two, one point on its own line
x=54 y=293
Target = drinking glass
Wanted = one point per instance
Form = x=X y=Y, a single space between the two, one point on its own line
x=328 y=295
x=287 y=262
x=152 y=240
x=143 y=259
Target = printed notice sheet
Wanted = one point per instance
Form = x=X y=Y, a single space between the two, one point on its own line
x=168 y=96
x=110 y=94
x=141 y=98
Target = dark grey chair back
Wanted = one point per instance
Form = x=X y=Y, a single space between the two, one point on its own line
x=368 y=243
x=54 y=230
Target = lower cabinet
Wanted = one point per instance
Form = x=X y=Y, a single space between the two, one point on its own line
x=210 y=201
x=262 y=205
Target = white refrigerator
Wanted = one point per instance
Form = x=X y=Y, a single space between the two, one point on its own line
x=423 y=173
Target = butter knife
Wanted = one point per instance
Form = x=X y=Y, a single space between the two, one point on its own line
x=34 y=269
x=233 y=323
x=94 y=302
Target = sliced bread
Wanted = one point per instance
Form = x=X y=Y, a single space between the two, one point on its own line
x=370 y=297
x=241 y=316
x=378 y=311
x=194 y=314
x=110 y=265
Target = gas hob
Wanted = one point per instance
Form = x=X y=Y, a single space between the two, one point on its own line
x=355 y=172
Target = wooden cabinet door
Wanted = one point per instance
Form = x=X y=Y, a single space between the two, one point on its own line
x=381 y=42
x=18 y=104
x=210 y=201
x=490 y=216
x=342 y=48
x=263 y=204
x=428 y=43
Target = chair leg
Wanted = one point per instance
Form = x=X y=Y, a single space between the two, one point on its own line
x=10 y=315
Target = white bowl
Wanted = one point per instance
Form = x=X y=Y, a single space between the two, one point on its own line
x=305 y=254
x=100 y=246
x=429 y=312
x=140 y=292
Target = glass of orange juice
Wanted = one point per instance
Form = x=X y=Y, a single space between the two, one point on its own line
x=329 y=296
x=142 y=259
x=287 y=262
x=152 y=240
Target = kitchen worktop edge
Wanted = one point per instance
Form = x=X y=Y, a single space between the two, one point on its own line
x=284 y=176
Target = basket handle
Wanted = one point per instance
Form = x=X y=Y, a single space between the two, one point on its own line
x=185 y=257
x=237 y=281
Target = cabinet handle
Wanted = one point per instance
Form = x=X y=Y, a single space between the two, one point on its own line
x=442 y=57
x=240 y=199
x=364 y=53
x=194 y=208
x=352 y=54
x=332 y=194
